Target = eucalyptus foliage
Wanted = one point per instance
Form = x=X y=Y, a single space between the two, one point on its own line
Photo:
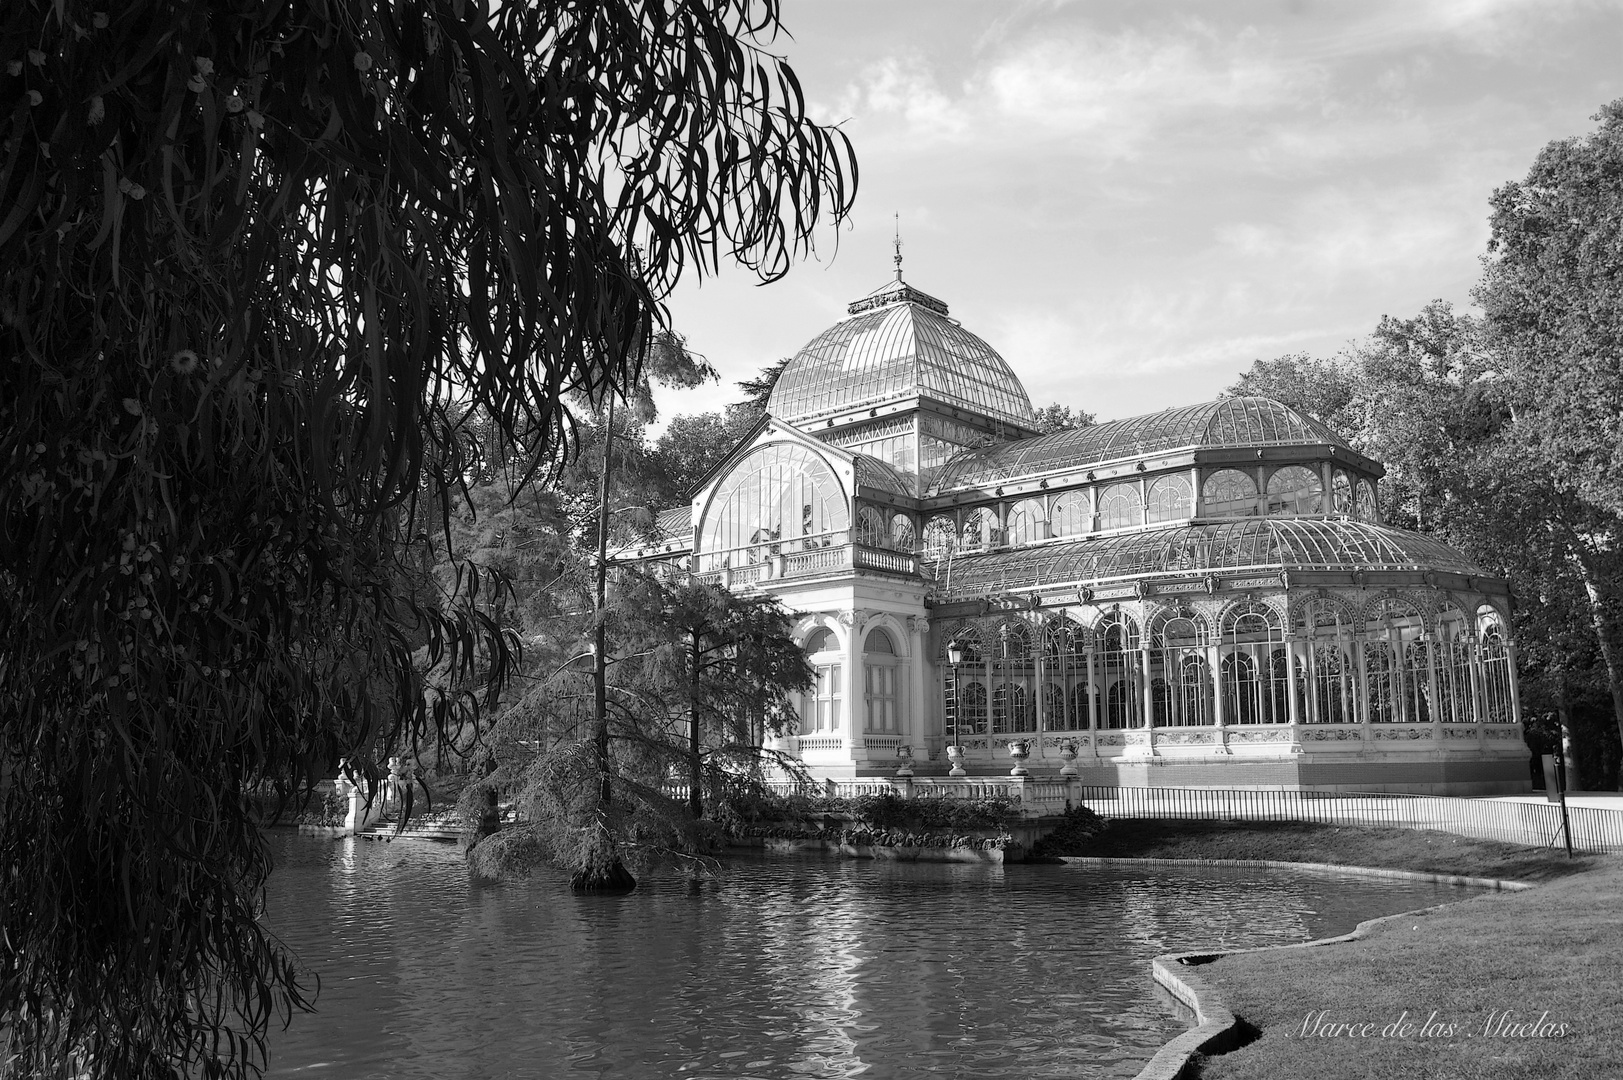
x=258 y=263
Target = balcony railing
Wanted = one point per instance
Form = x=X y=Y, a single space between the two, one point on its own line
x=752 y=566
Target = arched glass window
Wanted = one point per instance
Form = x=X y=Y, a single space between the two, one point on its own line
x=1295 y=489
x=1327 y=690
x=1014 y=667
x=1065 y=664
x=1342 y=493
x=1012 y=713
x=1254 y=686
x=1177 y=646
x=1121 y=506
x=1496 y=683
x=968 y=638
x=1453 y=652
x=1229 y=493
x=1171 y=498
x=821 y=708
x=940 y=537
x=1081 y=716
x=780 y=497
x=1392 y=634
x=1364 y=505
x=1071 y=514
x=1381 y=682
x=1118 y=657
x=880 y=671
x=1054 y=718
x=871 y=530
x=901 y=533
x=1026 y=522
x=972 y=709
x=980 y=530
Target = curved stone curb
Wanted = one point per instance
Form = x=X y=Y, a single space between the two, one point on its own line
x=1497 y=884
x=1216 y=1029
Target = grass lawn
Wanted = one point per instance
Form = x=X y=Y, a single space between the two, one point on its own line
x=1346 y=845
x=1553 y=954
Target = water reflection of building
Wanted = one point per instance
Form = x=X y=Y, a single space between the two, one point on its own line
x=1202 y=596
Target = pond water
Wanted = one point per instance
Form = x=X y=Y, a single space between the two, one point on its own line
x=785 y=968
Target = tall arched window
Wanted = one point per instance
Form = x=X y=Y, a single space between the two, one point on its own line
x=972 y=709
x=901 y=532
x=821 y=711
x=1496 y=682
x=1013 y=693
x=1295 y=489
x=881 y=683
x=1118 y=660
x=871 y=529
x=1026 y=522
x=1341 y=493
x=1399 y=680
x=1229 y=493
x=1071 y=514
x=1121 y=506
x=1381 y=681
x=1328 y=691
x=1254 y=688
x=940 y=537
x=1171 y=498
x=1177 y=647
x=1065 y=665
x=980 y=530
x=780 y=497
x=1454 y=647
x=1084 y=704
x=1364 y=506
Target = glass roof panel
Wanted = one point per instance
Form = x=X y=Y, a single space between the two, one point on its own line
x=1223 y=423
x=1251 y=543
x=872 y=472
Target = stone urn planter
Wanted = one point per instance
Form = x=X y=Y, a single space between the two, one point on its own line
x=1067 y=755
x=904 y=761
x=1019 y=750
x=955 y=754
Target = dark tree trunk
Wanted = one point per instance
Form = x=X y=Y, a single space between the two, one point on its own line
x=695 y=762
x=606 y=874
x=1600 y=619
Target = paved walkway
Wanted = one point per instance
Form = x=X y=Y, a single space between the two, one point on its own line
x=1598 y=800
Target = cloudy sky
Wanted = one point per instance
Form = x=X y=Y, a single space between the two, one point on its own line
x=1132 y=200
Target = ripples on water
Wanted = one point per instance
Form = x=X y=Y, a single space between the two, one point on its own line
x=784 y=969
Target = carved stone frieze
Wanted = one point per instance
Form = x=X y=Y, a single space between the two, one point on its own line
x=1410 y=732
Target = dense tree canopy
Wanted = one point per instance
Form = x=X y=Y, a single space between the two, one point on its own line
x=259 y=265
x=1553 y=296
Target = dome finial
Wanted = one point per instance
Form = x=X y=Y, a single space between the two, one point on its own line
x=898 y=257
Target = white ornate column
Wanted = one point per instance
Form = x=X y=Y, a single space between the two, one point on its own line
x=917 y=711
x=1214 y=664
x=854 y=721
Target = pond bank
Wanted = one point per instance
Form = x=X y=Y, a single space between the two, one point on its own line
x=1517 y=983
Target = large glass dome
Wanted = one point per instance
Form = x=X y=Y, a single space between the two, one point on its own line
x=899 y=343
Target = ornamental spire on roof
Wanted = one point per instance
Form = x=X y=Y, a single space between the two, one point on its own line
x=897 y=291
x=898 y=259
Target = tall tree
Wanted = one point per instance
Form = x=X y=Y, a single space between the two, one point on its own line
x=1057 y=417
x=257 y=264
x=733 y=668
x=1552 y=293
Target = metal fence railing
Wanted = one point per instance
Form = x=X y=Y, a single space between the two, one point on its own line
x=1533 y=824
